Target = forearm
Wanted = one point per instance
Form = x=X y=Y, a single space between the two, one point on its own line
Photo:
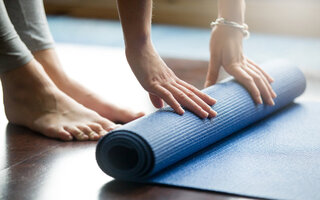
x=135 y=16
x=232 y=10
x=226 y=51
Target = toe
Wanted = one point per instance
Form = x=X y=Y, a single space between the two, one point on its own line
x=128 y=116
x=117 y=126
x=98 y=129
x=106 y=124
x=64 y=135
x=89 y=132
x=57 y=132
x=77 y=133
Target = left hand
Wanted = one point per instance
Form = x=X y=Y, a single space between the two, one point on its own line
x=226 y=51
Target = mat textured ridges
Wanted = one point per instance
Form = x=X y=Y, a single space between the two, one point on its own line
x=236 y=110
x=173 y=137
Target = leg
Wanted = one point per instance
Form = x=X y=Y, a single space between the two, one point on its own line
x=31 y=99
x=13 y=52
x=29 y=20
x=33 y=29
x=49 y=60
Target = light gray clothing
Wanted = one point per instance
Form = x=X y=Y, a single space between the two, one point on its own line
x=23 y=28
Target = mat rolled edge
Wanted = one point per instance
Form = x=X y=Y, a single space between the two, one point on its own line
x=125 y=155
x=128 y=157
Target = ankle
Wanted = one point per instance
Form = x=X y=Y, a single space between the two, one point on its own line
x=25 y=78
x=49 y=60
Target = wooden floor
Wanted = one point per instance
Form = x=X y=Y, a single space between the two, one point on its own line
x=34 y=167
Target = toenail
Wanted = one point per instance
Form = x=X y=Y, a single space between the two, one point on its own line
x=93 y=135
x=103 y=132
x=110 y=128
x=117 y=126
x=83 y=136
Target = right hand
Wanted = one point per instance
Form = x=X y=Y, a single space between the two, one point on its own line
x=162 y=84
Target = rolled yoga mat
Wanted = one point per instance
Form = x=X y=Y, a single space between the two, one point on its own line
x=187 y=151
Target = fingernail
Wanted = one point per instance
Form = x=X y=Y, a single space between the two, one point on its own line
x=213 y=101
x=214 y=113
x=259 y=100
x=205 y=114
x=271 y=102
x=274 y=95
x=181 y=111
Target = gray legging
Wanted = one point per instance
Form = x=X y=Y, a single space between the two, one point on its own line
x=23 y=29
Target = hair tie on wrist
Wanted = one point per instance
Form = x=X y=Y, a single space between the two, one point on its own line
x=243 y=27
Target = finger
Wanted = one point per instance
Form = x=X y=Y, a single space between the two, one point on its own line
x=269 y=78
x=213 y=71
x=267 y=83
x=206 y=98
x=245 y=79
x=156 y=101
x=169 y=99
x=197 y=100
x=266 y=95
x=271 y=91
x=186 y=101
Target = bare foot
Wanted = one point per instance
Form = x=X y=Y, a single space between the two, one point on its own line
x=51 y=64
x=31 y=99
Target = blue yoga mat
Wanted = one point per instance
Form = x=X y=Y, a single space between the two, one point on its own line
x=248 y=149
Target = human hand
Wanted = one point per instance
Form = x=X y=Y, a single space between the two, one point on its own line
x=162 y=84
x=226 y=51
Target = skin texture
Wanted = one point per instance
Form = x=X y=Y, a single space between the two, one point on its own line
x=35 y=102
x=151 y=71
x=226 y=51
x=55 y=105
x=51 y=64
x=59 y=107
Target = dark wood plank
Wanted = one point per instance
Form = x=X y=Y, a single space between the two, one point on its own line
x=22 y=144
x=69 y=171
x=36 y=167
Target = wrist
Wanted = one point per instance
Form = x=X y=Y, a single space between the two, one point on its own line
x=138 y=42
x=139 y=51
x=221 y=22
x=228 y=32
x=232 y=10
